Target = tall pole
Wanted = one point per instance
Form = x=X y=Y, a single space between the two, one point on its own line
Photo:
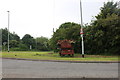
x=81 y=30
x=8 y=29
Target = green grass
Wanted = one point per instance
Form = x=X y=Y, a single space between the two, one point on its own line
x=55 y=56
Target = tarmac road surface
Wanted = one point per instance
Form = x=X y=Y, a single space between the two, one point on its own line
x=43 y=69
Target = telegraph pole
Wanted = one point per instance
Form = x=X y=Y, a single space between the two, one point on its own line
x=81 y=30
x=8 y=30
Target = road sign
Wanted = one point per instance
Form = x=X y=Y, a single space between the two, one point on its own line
x=81 y=31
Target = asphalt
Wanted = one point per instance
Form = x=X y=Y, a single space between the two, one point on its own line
x=12 y=68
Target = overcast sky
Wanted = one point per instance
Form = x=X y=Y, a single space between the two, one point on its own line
x=39 y=17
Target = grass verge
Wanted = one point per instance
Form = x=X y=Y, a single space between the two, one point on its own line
x=55 y=56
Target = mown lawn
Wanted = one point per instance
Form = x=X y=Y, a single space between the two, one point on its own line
x=55 y=56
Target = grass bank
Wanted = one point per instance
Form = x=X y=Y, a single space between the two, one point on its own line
x=55 y=56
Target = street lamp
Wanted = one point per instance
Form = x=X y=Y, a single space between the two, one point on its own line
x=81 y=30
x=8 y=30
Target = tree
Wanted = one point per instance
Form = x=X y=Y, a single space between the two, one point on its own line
x=102 y=36
x=108 y=9
x=42 y=43
x=14 y=43
x=4 y=35
x=68 y=31
x=14 y=38
x=28 y=40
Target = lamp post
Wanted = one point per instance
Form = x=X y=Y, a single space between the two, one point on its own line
x=8 y=30
x=81 y=30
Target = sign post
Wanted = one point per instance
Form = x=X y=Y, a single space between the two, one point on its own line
x=81 y=30
x=8 y=31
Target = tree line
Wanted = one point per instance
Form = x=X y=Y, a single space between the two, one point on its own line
x=26 y=43
x=101 y=36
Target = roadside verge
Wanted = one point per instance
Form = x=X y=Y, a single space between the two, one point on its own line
x=64 y=60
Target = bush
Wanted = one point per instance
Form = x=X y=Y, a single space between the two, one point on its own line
x=15 y=49
x=23 y=47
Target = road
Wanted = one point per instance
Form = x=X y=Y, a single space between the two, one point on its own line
x=44 y=69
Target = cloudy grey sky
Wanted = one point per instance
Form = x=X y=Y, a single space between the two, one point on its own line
x=39 y=17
